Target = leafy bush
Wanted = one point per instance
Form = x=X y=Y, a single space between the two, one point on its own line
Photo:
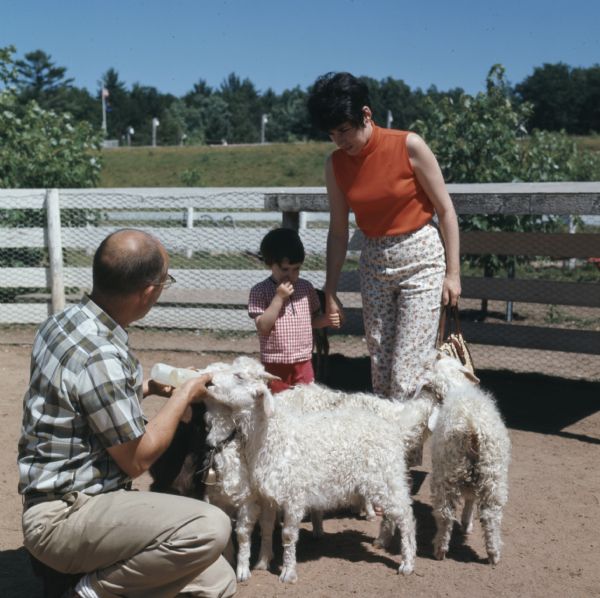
x=483 y=139
x=41 y=148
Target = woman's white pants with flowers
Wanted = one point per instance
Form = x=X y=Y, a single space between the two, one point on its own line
x=401 y=285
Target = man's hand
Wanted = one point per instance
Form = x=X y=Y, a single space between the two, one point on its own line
x=152 y=387
x=195 y=387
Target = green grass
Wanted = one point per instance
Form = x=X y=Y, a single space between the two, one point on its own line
x=271 y=165
x=588 y=142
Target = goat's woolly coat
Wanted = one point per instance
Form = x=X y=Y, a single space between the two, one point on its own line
x=232 y=490
x=299 y=461
x=470 y=456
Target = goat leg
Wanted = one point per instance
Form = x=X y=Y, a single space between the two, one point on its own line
x=491 y=518
x=267 y=524
x=247 y=516
x=289 y=537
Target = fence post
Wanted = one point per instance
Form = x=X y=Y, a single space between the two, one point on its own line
x=54 y=240
x=290 y=220
x=189 y=223
x=302 y=220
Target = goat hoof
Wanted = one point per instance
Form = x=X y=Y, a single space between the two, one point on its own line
x=439 y=554
x=262 y=565
x=405 y=569
x=288 y=575
x=243 y=574
x=494 y=558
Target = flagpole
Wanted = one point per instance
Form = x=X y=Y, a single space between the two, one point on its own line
x=104 y=94
x=390 y=119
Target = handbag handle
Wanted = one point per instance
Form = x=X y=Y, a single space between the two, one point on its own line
x=454 y=323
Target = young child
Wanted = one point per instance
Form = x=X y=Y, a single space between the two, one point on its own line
x=285 y=309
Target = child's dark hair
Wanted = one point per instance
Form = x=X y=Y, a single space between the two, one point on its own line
x=280 y=244
x=336 y=98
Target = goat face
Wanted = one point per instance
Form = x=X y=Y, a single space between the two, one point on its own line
x=240 y=385
x=442 y=372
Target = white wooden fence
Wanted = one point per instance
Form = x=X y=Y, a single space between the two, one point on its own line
x=211 y=298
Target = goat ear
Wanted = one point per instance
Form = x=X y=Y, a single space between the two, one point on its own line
x=268 y=403
x=433 y=418
x=470 y=375
x=418 y=389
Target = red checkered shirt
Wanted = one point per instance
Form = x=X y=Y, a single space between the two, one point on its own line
x=290 y=340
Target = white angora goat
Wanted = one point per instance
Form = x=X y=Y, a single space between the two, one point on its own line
x=470 y=455
x=231 y=490
x=299 y=461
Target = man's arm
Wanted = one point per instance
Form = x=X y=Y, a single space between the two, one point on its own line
x=136 y=456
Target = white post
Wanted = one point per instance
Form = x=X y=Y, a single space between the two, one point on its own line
x=572 y=230
x=302 y=221
x=263 y=123
x=155 y=124
x=390 y=119
x=189 y=223
x=54 y=240
x=104 y=95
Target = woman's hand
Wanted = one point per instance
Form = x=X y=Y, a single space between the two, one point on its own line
x=334 y=310
x=451 y=290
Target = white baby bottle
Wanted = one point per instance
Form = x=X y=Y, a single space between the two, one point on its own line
x=170 y=375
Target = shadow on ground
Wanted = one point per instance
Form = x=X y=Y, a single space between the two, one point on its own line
x=16 y=575
x=530 y=402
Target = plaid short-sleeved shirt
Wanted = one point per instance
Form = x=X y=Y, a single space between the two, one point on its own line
x=84 y=396
x=290 y=340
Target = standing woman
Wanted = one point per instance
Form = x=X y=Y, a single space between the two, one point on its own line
x=392 y=182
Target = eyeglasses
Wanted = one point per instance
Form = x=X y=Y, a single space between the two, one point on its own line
x=166 y=283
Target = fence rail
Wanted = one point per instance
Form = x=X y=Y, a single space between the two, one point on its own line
x=546 y=199
x=213 y=297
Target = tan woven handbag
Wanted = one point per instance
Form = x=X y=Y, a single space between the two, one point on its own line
x=453 y=343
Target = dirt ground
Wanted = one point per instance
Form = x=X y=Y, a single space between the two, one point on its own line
x=551 y=525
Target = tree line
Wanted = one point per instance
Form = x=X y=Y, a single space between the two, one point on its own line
x=560 y=98
x=50 y=134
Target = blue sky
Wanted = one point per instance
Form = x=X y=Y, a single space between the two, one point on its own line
x=282 y=43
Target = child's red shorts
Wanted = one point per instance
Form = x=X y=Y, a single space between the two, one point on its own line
x=290 y=374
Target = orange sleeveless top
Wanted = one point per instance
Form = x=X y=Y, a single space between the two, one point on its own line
x=380 y=185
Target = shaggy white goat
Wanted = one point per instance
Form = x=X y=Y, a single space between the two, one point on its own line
x=299 y=461
x=231 y=490
x=470 y=456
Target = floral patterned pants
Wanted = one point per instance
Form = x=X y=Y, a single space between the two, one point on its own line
x=401 y=281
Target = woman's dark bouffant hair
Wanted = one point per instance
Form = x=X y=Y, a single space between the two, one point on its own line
x=336 y=98
x=282 y=244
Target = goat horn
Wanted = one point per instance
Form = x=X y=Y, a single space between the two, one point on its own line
x=267 y=376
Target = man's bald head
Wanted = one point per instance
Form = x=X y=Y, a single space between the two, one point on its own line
x=126 y=261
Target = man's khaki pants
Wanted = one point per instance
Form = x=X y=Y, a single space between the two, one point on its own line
x=134 y=543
